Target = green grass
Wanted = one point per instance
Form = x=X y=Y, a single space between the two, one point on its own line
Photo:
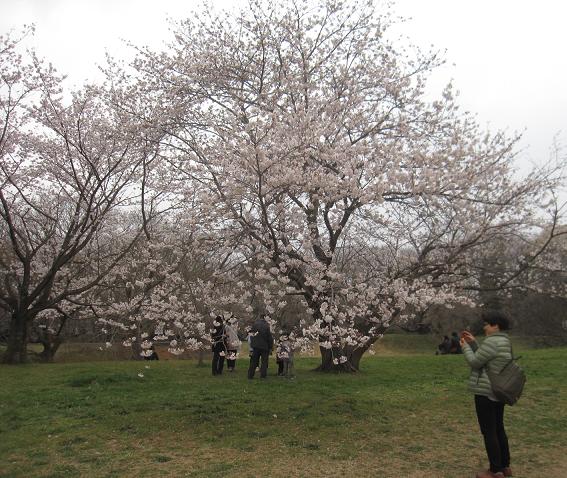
x=406 y=414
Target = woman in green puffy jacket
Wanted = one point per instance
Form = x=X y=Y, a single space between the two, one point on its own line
x=494 y=352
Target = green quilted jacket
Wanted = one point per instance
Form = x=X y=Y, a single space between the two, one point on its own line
x=494 y=352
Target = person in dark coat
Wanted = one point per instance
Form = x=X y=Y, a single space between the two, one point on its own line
x=218 y=345
x=262 y=343
x=444 y=347
x=455 y=344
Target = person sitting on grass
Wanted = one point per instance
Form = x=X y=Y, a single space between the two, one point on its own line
x=444 y=347
x=151 y=354
x=455 y=344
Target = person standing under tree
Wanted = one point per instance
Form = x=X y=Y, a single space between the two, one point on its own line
x=284 y=356
x=493 y=354
x=262 y=343
x=218 y=345
x=233 y=343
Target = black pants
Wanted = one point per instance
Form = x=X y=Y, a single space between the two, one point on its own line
x=218 y=363
x=255 y=359
x=491 y=420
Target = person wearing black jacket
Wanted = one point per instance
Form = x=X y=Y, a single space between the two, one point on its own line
x=455 y=344
x=218 y=345
x=262 y=343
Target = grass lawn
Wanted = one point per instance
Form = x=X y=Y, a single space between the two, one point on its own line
x=407 y=414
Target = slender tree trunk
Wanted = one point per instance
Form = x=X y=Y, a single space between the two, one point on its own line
x=137 y=351
x=50 y=348
x=137 y=345
x=17 y=350
x=51 y=340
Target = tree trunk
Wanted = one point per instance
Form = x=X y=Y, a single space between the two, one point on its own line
x=50 y=340
x=356 y=354
x=17 y=350
x=50 y=348
x=353 y=356
x=137 y=344
x=328 y=365
x=137 y=351
x=374 y=332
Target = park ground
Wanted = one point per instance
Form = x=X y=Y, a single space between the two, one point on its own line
x=406 y=414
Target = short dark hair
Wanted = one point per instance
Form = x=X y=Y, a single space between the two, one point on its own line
x=494 y=317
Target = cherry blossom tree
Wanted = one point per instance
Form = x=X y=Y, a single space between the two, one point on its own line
x=532 y=257
x=170 y=289
x=536 y=263
x=308 y=133
x=67 y=169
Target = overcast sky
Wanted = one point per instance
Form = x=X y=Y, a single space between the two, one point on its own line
x=506 y=57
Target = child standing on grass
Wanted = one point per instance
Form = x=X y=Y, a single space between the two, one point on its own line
x=284 y=356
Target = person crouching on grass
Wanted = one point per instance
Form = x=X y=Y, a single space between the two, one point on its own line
x=494 y=352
